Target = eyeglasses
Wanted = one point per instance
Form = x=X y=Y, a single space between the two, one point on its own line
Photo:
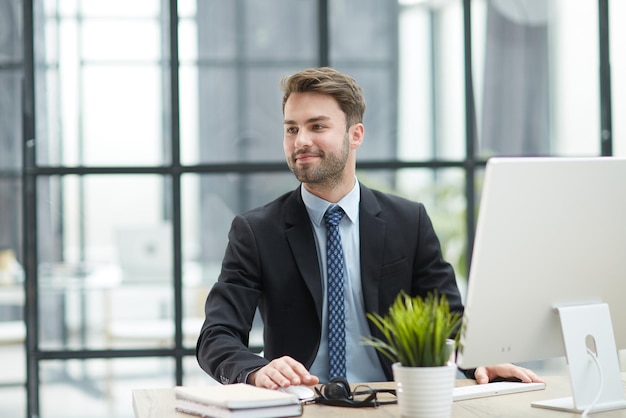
x=338 y=394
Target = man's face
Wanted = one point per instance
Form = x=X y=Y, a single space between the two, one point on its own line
x=316 y=142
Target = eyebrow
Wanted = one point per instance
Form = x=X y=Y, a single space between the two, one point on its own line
x=310 y=120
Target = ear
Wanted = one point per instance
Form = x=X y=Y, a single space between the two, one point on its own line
x=356 y=133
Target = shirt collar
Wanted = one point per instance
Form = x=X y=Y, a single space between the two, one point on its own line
x=317 y=206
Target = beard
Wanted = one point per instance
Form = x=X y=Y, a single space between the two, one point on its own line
x=330 y=170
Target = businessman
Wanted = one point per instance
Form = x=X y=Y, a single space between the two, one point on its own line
x=317 y=259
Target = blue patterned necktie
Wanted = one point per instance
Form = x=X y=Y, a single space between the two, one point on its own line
x=336 y=314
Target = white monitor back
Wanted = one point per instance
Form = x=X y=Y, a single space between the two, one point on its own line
x=145 y=252
x=551 y=232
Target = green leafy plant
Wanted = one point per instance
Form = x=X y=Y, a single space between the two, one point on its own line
x=416 y=331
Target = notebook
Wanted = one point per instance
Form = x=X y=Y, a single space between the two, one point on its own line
x=237 y=400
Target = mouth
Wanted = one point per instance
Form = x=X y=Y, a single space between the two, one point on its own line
x=305 y=157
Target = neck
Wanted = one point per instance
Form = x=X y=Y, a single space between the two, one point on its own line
x=331 y=192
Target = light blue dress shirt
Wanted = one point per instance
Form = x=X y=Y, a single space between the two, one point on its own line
x=362 y=364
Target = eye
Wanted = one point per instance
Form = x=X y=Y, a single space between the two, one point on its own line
x=290 y=130
x=318 y=127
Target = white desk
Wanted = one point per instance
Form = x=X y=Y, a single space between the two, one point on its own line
x=159 y=403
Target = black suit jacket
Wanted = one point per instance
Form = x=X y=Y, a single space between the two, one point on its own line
x=271 y=262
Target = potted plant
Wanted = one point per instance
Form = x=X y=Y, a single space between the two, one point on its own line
x=419 y=337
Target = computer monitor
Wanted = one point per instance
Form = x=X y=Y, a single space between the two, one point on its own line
x=548 y=273
x=145 y=252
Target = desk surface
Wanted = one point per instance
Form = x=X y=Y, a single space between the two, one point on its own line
x=159 y=403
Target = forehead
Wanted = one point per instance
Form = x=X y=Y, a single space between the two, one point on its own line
x=303 y=106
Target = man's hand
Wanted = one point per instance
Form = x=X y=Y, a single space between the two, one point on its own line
x=281 y=373
x=506 y=371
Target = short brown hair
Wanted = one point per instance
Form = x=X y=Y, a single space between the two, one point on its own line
x=326 y=80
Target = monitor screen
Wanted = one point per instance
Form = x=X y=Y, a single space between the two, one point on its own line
x=551 y=233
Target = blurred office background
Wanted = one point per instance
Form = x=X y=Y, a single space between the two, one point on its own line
x=131 y=132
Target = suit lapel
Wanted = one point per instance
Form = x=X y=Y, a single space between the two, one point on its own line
x=372 y=238
x=299 y=233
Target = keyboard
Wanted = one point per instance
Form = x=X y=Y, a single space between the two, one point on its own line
x=462 y=393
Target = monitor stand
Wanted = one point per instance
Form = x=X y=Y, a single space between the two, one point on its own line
x=588 y=332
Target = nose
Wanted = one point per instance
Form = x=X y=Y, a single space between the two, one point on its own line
x=303 y=139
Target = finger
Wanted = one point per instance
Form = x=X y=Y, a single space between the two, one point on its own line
x=284 y=372
x=264 y=380
x=289 y=371
x=521 y=373
x=273 y=375
x=510 y=370
x=481 y=375
x=300 y=373
x=532 y=376
x=310 y=380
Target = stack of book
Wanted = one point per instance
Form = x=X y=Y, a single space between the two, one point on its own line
x=236 y=401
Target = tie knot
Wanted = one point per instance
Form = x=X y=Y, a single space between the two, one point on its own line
x=333 y=215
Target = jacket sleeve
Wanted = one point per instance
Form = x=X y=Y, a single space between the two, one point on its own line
x=430 y=263
x=222 y=348
x=430 y=270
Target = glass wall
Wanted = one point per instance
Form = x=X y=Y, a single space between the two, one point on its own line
x=12 y=296
x=431 y=90
x=536 y=78
x=617 y=37
x=154 y=122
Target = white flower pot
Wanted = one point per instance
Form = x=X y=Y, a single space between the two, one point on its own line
x=424 y=392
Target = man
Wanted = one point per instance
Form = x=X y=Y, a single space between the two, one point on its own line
x=276 y=257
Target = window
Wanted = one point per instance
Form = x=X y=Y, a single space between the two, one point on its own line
x=148 y=124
